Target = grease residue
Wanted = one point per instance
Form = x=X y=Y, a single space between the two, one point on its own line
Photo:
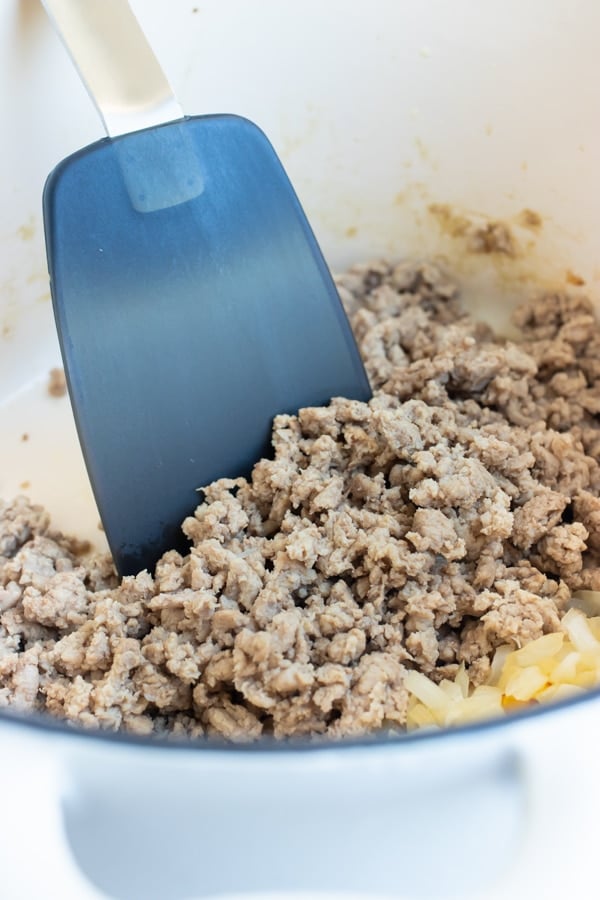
x=38 y=276
x=425 y=155
x=294 y=138
x=528 y=218
x=479 y=233
x=27 y=231
x=574 y=279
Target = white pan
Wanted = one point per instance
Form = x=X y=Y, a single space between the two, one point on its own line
x=378 y=109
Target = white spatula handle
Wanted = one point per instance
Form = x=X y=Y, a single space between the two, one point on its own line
x=115 y=62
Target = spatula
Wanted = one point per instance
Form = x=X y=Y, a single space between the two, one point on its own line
x=191 y=299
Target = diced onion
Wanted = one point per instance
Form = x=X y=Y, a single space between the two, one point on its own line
x=553 y=667
x=525 y=683
x=498 y=661
x=452 y=690
x=565 y=671
x=575 y=624
x=426 y=690
x=462 y=680
x=540 y=649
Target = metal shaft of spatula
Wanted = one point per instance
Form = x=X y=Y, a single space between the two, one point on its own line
x=131 y=93
x=115 y=62
x=191 y=299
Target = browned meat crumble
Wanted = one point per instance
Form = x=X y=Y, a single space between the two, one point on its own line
x=455 y=512
x=57 y=384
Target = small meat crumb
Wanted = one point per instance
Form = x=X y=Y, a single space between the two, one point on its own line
x=453 y=514
x=57 y=385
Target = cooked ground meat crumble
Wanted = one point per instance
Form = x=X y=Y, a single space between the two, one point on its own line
x=57 y=384
x=454 y=513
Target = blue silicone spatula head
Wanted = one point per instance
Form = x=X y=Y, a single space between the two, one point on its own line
x=192 y=304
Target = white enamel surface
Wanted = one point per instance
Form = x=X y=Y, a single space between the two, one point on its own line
x=423 y=821
x=378 y=110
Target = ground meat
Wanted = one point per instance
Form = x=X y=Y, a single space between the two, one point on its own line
x=453 y=513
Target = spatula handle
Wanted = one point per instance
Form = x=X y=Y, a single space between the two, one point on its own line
x=115 y=62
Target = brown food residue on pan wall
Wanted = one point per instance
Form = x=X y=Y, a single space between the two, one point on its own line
x=482 y=234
